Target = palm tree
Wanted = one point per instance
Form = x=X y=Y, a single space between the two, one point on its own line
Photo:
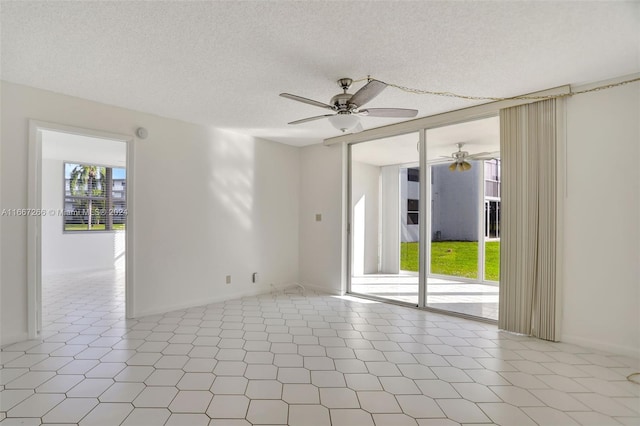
x=88 y=181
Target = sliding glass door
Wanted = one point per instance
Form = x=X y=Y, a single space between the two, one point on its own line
x=425 y=226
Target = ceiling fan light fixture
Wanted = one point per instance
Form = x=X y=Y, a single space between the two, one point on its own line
x=464 y=166
x=344 y=122
x=453 y=166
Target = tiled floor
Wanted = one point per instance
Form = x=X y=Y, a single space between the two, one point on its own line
x=476 y=299
x=298 y=359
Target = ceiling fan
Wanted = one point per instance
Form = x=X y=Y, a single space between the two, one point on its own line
x=460 y=158
x=347 y=107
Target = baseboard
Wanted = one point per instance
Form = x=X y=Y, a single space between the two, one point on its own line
x=202 y=302
x=322 y=289
x=602 y=346
x=77 y=270
x=230 y=296
x=14 y=338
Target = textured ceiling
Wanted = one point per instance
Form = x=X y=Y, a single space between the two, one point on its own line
x=223 y=64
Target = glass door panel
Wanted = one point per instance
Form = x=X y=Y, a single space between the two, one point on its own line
x=454 y=221
x=464 y=218
x=385 y=218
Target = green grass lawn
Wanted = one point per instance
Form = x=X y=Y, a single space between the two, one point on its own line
x=492 y=261
x=81 y=227
x=455 y=258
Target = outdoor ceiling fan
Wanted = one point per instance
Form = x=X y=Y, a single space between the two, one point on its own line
x=347 y=107
x=460 y=158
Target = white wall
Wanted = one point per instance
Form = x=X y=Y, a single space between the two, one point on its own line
x=233 y=208
x=601 y=294
x=72 y=251
x=365 y=225
x=321 y=192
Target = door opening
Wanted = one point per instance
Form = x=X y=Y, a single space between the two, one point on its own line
x=79 y=253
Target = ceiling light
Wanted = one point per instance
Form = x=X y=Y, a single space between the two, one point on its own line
x=461 y=166
x=344 y=122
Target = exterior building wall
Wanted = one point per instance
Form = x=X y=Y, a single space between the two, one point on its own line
x=455 y=203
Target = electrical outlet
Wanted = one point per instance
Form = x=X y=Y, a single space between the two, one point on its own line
x=228 y=279
x=318 y=217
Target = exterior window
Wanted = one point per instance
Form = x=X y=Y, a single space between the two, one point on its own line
x=492 y=188
x=492 y=178
x=413 y=175
x=94 y=198
x=412 y=211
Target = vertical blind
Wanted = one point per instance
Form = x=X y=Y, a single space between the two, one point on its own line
x=528 y=234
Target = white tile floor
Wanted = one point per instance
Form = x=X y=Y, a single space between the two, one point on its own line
x=298 y=359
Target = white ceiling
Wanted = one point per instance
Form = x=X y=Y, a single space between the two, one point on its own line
x=223 y=64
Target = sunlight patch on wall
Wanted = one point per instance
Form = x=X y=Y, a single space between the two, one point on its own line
x=232 y=176
x=119 y=249
x=359 y=236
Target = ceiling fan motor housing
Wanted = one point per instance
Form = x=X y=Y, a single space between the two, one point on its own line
x=345 y=83
x=341 y=101
x=460 y=155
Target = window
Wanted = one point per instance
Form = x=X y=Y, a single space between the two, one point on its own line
x=94 y=198
x=412 y=211
x=492 y=178
x=413 y=175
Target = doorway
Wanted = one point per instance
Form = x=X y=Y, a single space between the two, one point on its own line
x=79 y=252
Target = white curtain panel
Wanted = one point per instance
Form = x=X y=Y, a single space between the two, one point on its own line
x=528 y=221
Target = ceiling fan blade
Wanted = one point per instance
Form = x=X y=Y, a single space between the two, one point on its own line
x=317 y=117
x=485 y=155
x=367 y=92
x=306 y=100
x=442 y=159
x=478 y=154
x=389 y=112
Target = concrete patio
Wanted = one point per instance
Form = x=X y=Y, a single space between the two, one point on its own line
x=480 y=300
